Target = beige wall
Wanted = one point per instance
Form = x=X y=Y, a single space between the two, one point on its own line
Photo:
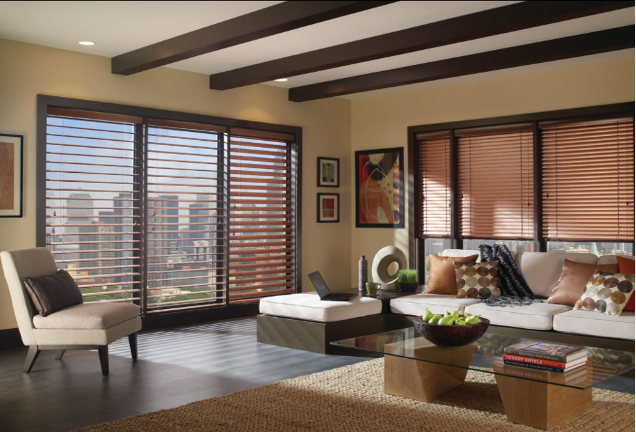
x=26 y=70
x=333 y=127
x=382 y=121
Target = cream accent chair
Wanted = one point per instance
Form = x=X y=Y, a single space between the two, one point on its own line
x=79 y=327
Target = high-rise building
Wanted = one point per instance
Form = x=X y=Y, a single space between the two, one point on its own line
x=79 y=223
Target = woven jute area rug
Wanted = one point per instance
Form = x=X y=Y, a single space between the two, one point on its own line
x=352 y=399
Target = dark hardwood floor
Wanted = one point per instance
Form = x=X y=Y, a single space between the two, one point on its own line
x=176 y=366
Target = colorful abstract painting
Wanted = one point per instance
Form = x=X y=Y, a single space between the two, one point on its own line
x=328 y=208
x=379 y=188
x=328 y=172
x=10 y=176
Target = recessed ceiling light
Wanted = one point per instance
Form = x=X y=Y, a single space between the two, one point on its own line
x=87 y=43
x=281 y=80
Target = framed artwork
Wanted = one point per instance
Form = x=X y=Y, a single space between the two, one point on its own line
x=10 y=175
x=380 y=188
x=328 y=208
x=328 y=172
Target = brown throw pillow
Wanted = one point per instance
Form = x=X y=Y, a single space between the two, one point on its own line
x=574 y=277
x=442 y=279
x=53 y=292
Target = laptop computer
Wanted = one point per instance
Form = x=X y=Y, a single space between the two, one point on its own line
x=323 y=289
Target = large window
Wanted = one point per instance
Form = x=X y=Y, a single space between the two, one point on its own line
x=529 y=182
x=169 y=214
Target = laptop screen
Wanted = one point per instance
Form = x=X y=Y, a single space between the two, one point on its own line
x=319 y=284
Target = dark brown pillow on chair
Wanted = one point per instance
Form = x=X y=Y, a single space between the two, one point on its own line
x=53 y=292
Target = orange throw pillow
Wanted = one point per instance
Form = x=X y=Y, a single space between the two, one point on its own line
x=442 y=279
x=574 y=277
x=626 y=266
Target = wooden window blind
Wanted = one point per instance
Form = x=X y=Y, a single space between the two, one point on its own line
x=495 y=182
x=186 y=218
x=262 y=244
x=434 y=184
x=170 y=215
x=93 y=201
x=588 y=180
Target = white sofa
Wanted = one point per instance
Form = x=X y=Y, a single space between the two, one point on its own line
x=542 y=271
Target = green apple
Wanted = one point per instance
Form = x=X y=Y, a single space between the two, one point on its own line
x=427 y=315
x=435 y=319
x=460 y=322
x=472 y=320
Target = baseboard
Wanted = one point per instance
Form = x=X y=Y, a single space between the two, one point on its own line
x=197 y=316
x=10 y=338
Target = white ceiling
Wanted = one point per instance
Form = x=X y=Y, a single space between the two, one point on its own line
x=119 y=27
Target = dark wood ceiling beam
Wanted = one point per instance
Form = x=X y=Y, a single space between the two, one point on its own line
x=460 y=29
x=540 y=52
x=280 y=18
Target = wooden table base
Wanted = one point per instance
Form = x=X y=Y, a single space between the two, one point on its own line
x=425 y=381
x=529 y=403
x=541 y=405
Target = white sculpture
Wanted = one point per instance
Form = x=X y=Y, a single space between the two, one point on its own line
x=380 y=269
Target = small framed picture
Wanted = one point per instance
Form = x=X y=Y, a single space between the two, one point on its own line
x=328 y=172
x=10 y=175
x=328 y=208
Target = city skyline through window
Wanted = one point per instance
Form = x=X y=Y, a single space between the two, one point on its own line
x=167 y=214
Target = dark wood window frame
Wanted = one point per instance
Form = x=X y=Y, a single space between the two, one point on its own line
x=169 y=318
x=417 y=251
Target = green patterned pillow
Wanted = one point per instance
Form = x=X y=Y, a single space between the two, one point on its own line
x=606 y=293
x=477 y=279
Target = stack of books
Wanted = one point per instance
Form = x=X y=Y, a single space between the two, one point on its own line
x=545 y=356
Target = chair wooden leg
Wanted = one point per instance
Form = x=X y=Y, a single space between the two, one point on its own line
x=132 y=340
x=103 y=358
x=59 y=354
x=31 y=357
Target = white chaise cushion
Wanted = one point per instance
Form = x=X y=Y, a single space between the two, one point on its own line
x=96 y=315
x=593 y=323
x=542 y=270
x=309 y=307
x=537 y=316
x=436 y=303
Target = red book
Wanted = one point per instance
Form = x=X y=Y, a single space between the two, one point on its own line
x=541 y=362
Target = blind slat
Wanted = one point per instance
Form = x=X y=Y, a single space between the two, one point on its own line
x=263 y=263
x=434 y=184
x=495 y=183
x=588 y=169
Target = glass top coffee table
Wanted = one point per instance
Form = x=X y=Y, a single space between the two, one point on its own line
x=417 y=369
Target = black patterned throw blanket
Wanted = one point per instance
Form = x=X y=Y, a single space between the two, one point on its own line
x=514 y=288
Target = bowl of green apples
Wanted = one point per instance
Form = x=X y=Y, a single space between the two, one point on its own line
x=450 y=329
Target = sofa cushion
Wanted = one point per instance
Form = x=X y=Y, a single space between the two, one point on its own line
x=460 y=253
x=442 y=278
x=592 y=323
x=536 y=316
x=626 y=266
x=309 y=307
x=574 y=278
x=436 y=303
x=96 y=315
x=607 y=293
x=51 y=293
x=477 y=279
x=542 y=270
